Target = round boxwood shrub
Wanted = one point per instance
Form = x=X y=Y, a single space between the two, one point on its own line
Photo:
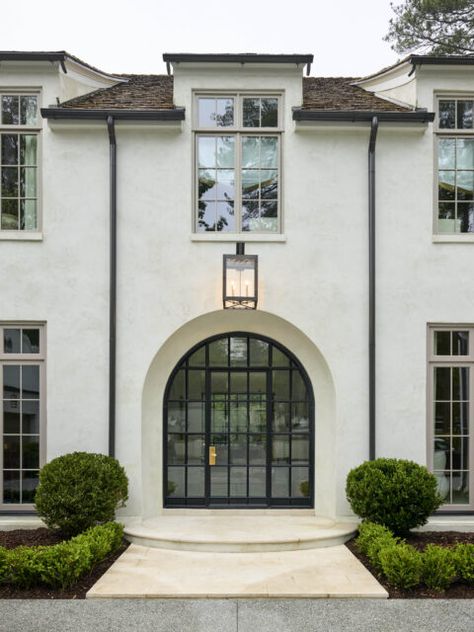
x=80 y=490
x=396 y=493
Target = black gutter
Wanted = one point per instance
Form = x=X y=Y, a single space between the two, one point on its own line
x=112 y=283
x=239 y=58
x=372 y=271
x=35 y=56
x=442 y=60
x=364 y=116
x=176 y=114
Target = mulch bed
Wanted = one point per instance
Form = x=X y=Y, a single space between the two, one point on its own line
x=419 y=541
x=42 y=536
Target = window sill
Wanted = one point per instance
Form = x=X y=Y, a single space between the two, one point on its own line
x=20 y=236
x=233 y=237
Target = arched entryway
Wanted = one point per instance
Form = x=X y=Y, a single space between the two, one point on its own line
x=238 y=426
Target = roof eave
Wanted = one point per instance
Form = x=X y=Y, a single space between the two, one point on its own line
x=442 y=60
x=176 y=114
x=356 y=116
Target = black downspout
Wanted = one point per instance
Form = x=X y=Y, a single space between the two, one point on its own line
x=113 y=281
x=372 y=398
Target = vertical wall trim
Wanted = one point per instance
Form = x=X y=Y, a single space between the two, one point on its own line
x=372 y=304
x=113 y=282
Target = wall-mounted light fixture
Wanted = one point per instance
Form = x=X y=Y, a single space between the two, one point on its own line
x=240 y=280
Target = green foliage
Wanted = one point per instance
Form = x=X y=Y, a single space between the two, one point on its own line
x=304 y=488
x=463 y=555
x=59 y=565
x=372 y=539
x=439 y=569
x=80 y=490
x=396 y=493
x=402 y=565
x=441 y=27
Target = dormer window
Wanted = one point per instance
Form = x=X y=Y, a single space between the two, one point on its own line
x=237 y=163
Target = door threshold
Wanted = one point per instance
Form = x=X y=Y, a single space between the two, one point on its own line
x=287 y=511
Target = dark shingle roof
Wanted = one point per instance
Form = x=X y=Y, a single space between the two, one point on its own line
x=337 y=93
x=137 y=92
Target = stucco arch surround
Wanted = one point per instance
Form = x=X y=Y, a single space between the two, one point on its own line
x=221 y=322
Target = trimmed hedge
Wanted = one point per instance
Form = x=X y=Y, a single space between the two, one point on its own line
x=396 y=493
x=80 y=490
x=59 y=565
x=405 y=567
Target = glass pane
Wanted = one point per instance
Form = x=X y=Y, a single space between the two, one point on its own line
x=9 y=151
x=219 y=417
x=30 y=383
x=460 y=342
x=300 y=482
x=442 y=342
x=225 y=189
x=300 y=449
x=258 y=352
x=442 y=423
x=441 y=453
x=196 y=416
x=464 y=153
x=11 y=487
x=221 y=444
x=224 y=116
x=281 y=449
x=257 y=416
x=12 y=340
x=465 y=219
x=207 y=151
x=177 y=386
x=447 y=114
x=442 y=377
x=238 y=351
x=10 y=110
x=460 y=453
x=10 y=182
x=206 y=112
x=176 y=449
x=11 y=451
x=30 y=341
x=300 y=417
x=250 y=152
x=30 y=448
x=196 y=384
x=281 y=384
x=269 y=115
x=465 y=184
x=257 y=386
x=464 y=120
x=268 y=152
x=225 y=153
x=218 y=352
x=280 y=482
x=28 y=109
x=196 y=450
x=11 y=416
x=251 y=112
x=28 y=144
x=196 y=481
x=198 y=358
x=298 y=392
x=460 y=385
x=238 y=417
x=176 y=481
x=447 y=153
x=31 y=416
x=176 y=417
x=219 y=385
x=238 y=386
x=238 y=481
x=460 y=418
x=257 y=482
x=29 y=484
x=219 y=477
x=446 y=185
x=10 y=219
x=460 y=488
x=269 y=185
x=28 y=182
x=207 y=184
x=281 y=417
x=279 y=358
x=257 y=449
x=238 y=449
x=11 y=382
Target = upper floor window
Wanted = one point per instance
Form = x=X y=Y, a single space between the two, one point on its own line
x=19 y=129
x=238 y=163
x=455 y=165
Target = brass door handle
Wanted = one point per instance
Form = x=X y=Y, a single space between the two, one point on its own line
x=212 y=455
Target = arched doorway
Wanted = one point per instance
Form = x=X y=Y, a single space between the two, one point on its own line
x=238 y=426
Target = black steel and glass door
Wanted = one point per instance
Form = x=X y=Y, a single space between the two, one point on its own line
x=239 y=426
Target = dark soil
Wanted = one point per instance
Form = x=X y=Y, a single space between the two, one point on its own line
x=34 y=537
x=420 y=540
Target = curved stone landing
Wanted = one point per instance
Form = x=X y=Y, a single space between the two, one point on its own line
x=238 y=533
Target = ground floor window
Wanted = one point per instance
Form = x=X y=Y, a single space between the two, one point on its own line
x=239 y=426
x=451 y=375
x=22 y=357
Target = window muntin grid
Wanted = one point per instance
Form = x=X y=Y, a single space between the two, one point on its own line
x=237 y=173
x=19 y=134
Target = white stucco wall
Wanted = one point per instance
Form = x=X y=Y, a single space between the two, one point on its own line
x=169 y=286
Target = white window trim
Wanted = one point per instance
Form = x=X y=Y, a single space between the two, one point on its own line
x=433 y=361
x=440 y=237
x=237 y=130
x=25 y=358
x=23 y=234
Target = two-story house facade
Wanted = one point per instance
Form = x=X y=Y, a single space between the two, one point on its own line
x=352 y=198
